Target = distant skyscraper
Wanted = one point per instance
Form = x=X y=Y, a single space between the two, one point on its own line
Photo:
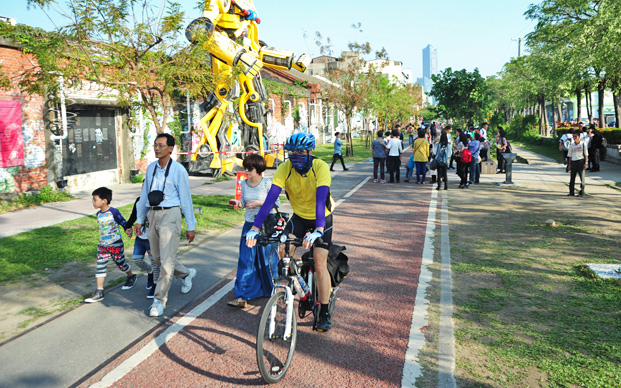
x=430 y=61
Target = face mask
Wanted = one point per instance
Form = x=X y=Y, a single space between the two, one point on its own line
x=301 y=163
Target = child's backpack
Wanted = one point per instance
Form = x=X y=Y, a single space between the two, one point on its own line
x=410 y=163
x=466 y=156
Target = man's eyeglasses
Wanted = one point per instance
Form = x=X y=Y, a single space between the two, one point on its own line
x=158 y=145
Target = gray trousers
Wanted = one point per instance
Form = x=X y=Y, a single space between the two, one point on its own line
x=164 y=231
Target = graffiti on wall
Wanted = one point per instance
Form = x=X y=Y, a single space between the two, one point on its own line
x=11 y=140
x=34 y=155
x=7 y=179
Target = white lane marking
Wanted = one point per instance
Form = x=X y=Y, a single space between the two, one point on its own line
x=120 y=371
x=352 y=191
x=446 y=346
x=411 y=368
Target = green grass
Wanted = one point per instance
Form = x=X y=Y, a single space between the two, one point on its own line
x=45 y=195
x=222 y=178
x=138 y=178
x=325 y=151
x=567 y=326
x=52 y=247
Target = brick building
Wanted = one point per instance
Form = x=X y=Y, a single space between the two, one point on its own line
x=92 y=149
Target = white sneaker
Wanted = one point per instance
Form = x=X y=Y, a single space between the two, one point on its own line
x=157 y=309
x=187 y=282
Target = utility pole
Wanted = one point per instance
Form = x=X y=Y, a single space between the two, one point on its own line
x=519 y=40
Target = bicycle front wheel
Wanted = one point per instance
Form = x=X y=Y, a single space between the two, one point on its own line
x=275 y=347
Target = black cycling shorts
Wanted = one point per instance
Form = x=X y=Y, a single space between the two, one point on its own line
x=299 y=226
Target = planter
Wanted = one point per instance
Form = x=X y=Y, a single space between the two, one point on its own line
x=613 y=153
x=61 y=184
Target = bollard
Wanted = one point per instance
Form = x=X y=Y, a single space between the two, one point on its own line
x=509 y=158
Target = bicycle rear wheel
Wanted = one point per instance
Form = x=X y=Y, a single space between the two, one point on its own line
x=274 y=348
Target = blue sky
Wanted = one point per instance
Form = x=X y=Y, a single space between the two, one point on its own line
x=466 y=33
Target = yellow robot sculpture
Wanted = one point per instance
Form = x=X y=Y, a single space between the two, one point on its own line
x=234 y=41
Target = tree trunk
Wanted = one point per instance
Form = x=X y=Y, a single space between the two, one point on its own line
x=542 y=116
x=553 y=117
x=589 y=105
x=349 y=150
x=578 y=105
x=617 y=102
x=559 y=108
x=600 y=104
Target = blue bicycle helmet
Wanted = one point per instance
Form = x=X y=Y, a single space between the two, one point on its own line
x=300 y=142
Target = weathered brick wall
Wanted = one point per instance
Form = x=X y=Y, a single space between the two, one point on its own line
x=33 y=174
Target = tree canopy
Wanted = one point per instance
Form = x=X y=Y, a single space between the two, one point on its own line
x=129 y=46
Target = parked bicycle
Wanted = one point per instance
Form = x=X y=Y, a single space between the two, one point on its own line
x=277 y=333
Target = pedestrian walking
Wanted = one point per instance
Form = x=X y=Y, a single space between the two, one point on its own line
x=166 y=188
x=421 y=156
x=410 y=130
x=578 y=156
x=395 y=149
x=111 y=222
x=462 y=164
x=379 y=157
x=256 y=266
x=338 y=153
x=142 y=248
x=475 y=148
x=442 y=151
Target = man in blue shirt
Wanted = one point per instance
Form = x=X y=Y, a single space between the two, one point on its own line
x=475 y=150
x=338 y=144
x=165 y=189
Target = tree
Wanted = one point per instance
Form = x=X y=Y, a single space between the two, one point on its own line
x=127 y=45
x=588 y=33
x=460 y=95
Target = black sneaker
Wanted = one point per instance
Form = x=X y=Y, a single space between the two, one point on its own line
x=97 y=296
x=129 y=283
x=150 y=282
x=151 y=293
x=324 y=323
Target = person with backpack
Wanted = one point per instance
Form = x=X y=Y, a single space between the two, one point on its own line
x=410 y=129
x=306 y=180
x=465 y=157
x=475 y=148
x=443 y=152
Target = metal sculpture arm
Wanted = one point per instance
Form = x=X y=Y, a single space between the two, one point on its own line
x=232 y=27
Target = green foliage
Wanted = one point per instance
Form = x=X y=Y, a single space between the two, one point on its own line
x=46 y=195
x=283 y=89
x=131 y=48
x=138 y=178
x=461 y=95
x=524 y=129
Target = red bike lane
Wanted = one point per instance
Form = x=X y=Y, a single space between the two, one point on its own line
x=383 y=228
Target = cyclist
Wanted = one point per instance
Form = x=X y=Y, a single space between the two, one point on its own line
x=306 y=181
